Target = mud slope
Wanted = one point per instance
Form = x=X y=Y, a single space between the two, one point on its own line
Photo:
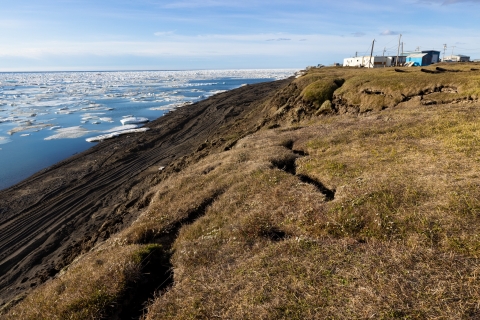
x=51 y=217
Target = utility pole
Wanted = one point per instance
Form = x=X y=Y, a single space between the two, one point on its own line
x=402 y=47
x=444 y=48
x=384 y=49
x=453 y=47
x=371 y=53
x=356 y=54
x=398 y=50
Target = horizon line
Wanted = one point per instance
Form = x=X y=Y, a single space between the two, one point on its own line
x=144 y=70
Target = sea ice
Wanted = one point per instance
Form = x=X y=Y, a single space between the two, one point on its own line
x=9 y=119
x=115 y=134
x=37 y=96
x=29 y=126
x=133 y=120
x=68 y=133
x=172 y=106
x=121 y=128
x=4 y=140
x=212 y=93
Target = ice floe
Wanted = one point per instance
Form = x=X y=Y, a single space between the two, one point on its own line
x=115 y=134
x=172 y=106
x=133 y=120
x=4 y=140
x=27 y=100
x=68 y=133
x=121 y=128
x=28 y=126
x=9 y=119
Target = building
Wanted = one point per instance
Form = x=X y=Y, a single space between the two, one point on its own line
x=356 y=61
x=417 y=59
x=457 y=58
x=401 y=60
x=433 y=56
x=373 y=62
x=424 y=58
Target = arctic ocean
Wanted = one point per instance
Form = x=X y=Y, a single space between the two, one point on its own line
x=47 y=117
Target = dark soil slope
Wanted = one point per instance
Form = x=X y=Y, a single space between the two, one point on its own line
x=50 y=218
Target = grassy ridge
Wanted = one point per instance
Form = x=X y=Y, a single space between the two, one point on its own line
x=359 y=198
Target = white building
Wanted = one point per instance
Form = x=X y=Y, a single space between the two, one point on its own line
x=457 y=58
x=373 y=62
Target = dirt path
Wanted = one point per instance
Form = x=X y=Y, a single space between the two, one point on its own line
x=51 y=217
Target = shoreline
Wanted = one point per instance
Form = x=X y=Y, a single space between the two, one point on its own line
x=49 y=108
x=62 y=211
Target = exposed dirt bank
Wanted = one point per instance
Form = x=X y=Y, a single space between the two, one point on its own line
x=50 y=218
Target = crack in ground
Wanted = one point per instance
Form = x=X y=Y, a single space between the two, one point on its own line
x=158 y=268
x=329 y=194
x=289 y=165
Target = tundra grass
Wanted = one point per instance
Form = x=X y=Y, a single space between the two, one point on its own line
x=363 y=213
x=91 y=288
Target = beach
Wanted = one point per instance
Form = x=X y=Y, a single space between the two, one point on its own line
x=47 y=220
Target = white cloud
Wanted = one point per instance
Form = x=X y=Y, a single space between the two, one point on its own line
x=200 y=3
x=164 y=33
x=279 y=39
x=458 y=1
x=358 y=34
x=447 y=2
x=232 y=48
x=389 y=33
x=187 y=46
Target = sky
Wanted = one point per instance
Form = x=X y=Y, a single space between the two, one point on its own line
x=61 y=35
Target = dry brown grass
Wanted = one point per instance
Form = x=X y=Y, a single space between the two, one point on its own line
x=327 y=279
x=351 y=216
x=89 y=289
x=398 y=241
x=365 y=90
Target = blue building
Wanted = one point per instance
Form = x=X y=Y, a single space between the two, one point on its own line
x=424 y=58
x=417 y=59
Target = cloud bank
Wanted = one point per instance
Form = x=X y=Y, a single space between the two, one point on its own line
x=389 y=33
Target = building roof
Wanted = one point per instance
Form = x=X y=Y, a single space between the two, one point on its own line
x=417 y=55
x=457 y=56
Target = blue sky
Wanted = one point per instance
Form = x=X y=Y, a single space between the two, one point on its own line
x=218 y=34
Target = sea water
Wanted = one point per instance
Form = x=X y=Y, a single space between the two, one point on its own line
x=47 y=117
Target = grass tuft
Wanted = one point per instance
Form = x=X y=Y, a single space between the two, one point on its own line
x=91 y=288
